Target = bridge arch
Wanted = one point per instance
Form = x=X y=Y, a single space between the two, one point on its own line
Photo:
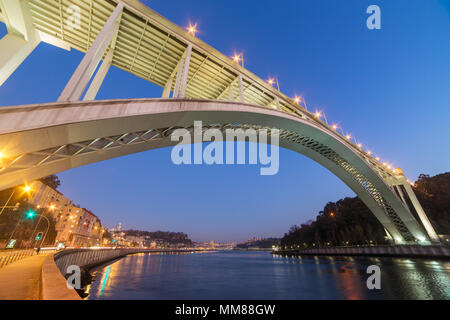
x=38 y=140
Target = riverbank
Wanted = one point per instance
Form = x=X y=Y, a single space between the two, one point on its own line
x=429 y=252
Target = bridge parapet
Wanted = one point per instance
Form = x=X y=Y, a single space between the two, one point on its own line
x=88 y=258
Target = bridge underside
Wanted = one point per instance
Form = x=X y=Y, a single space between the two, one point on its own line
x=38 y=140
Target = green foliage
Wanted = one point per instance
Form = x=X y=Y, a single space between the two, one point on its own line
x=52 y=181
x=170 y=237
x=349 y=222
x=19 y=225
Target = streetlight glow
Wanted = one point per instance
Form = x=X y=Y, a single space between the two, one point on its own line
x=192 y=29
x=238 y=58
x=31 y=214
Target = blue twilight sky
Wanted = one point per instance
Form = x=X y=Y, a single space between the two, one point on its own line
x=390 y=88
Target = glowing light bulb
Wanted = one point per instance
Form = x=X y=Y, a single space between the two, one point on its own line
x=237 y=58
x=334 y=126
x=192 y=29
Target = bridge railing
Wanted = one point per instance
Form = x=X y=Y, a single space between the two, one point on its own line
x=88 y=258
x=407 y=250
x=13 y=256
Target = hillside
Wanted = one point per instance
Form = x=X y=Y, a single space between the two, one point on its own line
x=349 y=222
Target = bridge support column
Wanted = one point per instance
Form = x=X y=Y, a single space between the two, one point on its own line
x=241 y=89
x=14 y=51
x=21 y=39
x=186 y=64
x=79 y=80
x=231 y=97
x=419 y=210
x=182 y=73
x=167 y=88
x=99 y=77
x=176 y=90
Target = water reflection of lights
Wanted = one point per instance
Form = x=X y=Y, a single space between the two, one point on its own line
x=104 y=281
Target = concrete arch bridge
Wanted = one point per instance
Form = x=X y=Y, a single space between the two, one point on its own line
x=199 y=83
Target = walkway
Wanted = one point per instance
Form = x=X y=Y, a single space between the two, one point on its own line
x=21 y=279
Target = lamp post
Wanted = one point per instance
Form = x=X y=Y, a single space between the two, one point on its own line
x=27 y=190
x=52 y=207
x=48 y=227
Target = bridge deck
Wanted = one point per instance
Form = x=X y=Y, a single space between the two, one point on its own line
x=151 y=47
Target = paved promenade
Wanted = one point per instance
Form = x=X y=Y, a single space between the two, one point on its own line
x=21 y=280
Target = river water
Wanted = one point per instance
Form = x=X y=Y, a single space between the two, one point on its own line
x=260 y=275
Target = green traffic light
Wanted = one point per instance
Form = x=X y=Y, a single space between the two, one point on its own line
x=31 y=214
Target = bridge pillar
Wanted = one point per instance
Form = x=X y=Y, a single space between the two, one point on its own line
x=405 y=193
x=99 y=77
x=186 y=64
x=231 y=96
x=21 y=39
x=417 y=207
x=241 y=89
x=167 y=88
x=182 y=73
x=80 y=78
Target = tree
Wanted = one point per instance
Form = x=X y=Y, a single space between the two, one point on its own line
x=349 y=221
x=52 y=181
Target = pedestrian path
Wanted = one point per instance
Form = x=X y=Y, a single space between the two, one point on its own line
x=21 y=280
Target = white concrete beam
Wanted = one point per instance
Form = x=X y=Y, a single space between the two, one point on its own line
x=99 y=77
x=18 y=18
x=187 y=62
x=421 y=213
x=230 y=91
x=241 y=89
x=80 y=79
x=14 y=50
x=167 y=88
x=21 y=39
